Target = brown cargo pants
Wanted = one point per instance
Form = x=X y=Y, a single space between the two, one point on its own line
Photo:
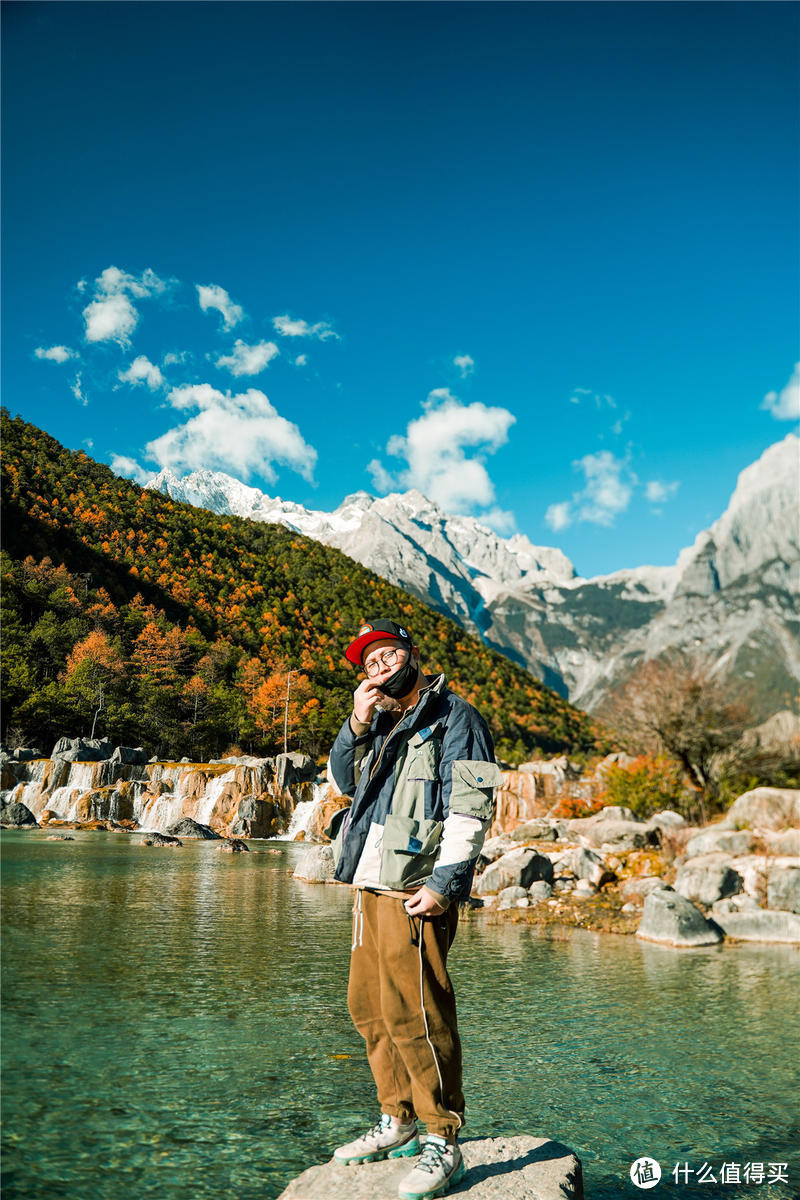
x=402 y=1002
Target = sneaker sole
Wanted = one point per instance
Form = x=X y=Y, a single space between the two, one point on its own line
x=455 y=1178
x=408 y=1150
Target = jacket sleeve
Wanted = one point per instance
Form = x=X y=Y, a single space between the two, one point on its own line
x=469 y=775
x=347 y=756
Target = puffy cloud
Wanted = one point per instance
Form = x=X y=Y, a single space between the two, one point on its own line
x=657 y=492
x=435 y=447
x=248 y=360
x=129 y=467
x=785 y=405
x=240 y=433
x=301 y=360
x=465 y=364
x=607 y=492
x=142 y=370
x=217 y=298
x=111 y=314
x=76 y=387
x=57 y=354
x=287 y=327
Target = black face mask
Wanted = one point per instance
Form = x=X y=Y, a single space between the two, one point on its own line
x=402 y=682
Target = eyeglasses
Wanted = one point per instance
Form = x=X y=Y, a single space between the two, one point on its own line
x=387 y=659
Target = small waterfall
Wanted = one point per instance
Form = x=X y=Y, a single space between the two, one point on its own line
x=304 y=812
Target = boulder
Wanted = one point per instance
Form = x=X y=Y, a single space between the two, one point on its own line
x=517 y=868
x=82 y=749
x=294 y=768
x=614 y=826
x=16 y=815
x=640 y=886
x=254 y=818
x=540 y=890
x=189 y=828
x=514 y=1168
x=583 y=888
x=764 y=808
x=670 y=918
x=783 y=889
x=494 y=847
x=786 y=841
x=26 y=753
x=707 y=879
x=734 y=904
x=315 y=864
x=508 y=897
x=234 y=846
x=761 y=925
x=134 y=755
x=726 y=840
x=161 y=839
x=585 y=864
x=530 y=831
x=667 y=819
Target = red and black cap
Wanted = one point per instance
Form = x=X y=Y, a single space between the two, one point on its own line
x=375 y=631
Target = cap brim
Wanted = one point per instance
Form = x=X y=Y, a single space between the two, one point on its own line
x=356 y=649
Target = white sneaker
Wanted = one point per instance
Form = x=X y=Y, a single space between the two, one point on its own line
x=387 y=1139
x=440 y=1167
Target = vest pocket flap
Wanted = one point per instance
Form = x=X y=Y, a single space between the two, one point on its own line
x=472 y=773
x=473 y=780
x=404 y=835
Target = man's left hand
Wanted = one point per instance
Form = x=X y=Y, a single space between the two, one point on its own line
x=423 y=904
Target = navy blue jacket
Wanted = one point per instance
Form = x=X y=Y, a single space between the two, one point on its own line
x=437 y=761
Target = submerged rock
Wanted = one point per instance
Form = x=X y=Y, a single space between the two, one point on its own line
x=499 y=1168
x=315 y=864
x=161 y=839
x=234 y=846
x=16 y=815
x=189 y=828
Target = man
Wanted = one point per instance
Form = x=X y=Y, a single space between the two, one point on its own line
x=418 y=762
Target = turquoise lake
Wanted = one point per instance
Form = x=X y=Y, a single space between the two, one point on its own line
x=173 y=1022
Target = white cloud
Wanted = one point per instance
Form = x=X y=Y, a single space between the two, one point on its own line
x=656 y=491
x=465 y=364
x=434 y=448
x=579 y=394
x=248 y=360
x=301 y=360
x=607 y=492
x=240 y=433
x=175 y=358
x=142 y=370
x=287 y=327
x=77 y=390
x=558 y=515
x=785 y=405
x=122 y=465
x=88 y=442
x=217 y=298
x=111 y=314
x=59 y=354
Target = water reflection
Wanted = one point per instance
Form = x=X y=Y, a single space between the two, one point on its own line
x=172 y=1019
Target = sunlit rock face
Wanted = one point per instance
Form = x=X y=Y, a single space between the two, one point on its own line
x=249 y=798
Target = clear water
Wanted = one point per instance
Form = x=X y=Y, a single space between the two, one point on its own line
x=175 y=1026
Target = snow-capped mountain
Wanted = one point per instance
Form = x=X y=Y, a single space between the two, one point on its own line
x=734 y=591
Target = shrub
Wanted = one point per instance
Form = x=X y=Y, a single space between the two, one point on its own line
x=647 y=785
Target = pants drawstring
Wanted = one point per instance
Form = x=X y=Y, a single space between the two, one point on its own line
x=358 y=922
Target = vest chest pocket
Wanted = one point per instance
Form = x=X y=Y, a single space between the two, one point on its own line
x=474 y=781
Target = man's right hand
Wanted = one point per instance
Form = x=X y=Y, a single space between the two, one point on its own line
x=365 y=698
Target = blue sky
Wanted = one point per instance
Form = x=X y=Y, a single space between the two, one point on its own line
x=539 y=260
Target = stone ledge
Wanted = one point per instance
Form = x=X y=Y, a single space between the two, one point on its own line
x=501 y=1168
